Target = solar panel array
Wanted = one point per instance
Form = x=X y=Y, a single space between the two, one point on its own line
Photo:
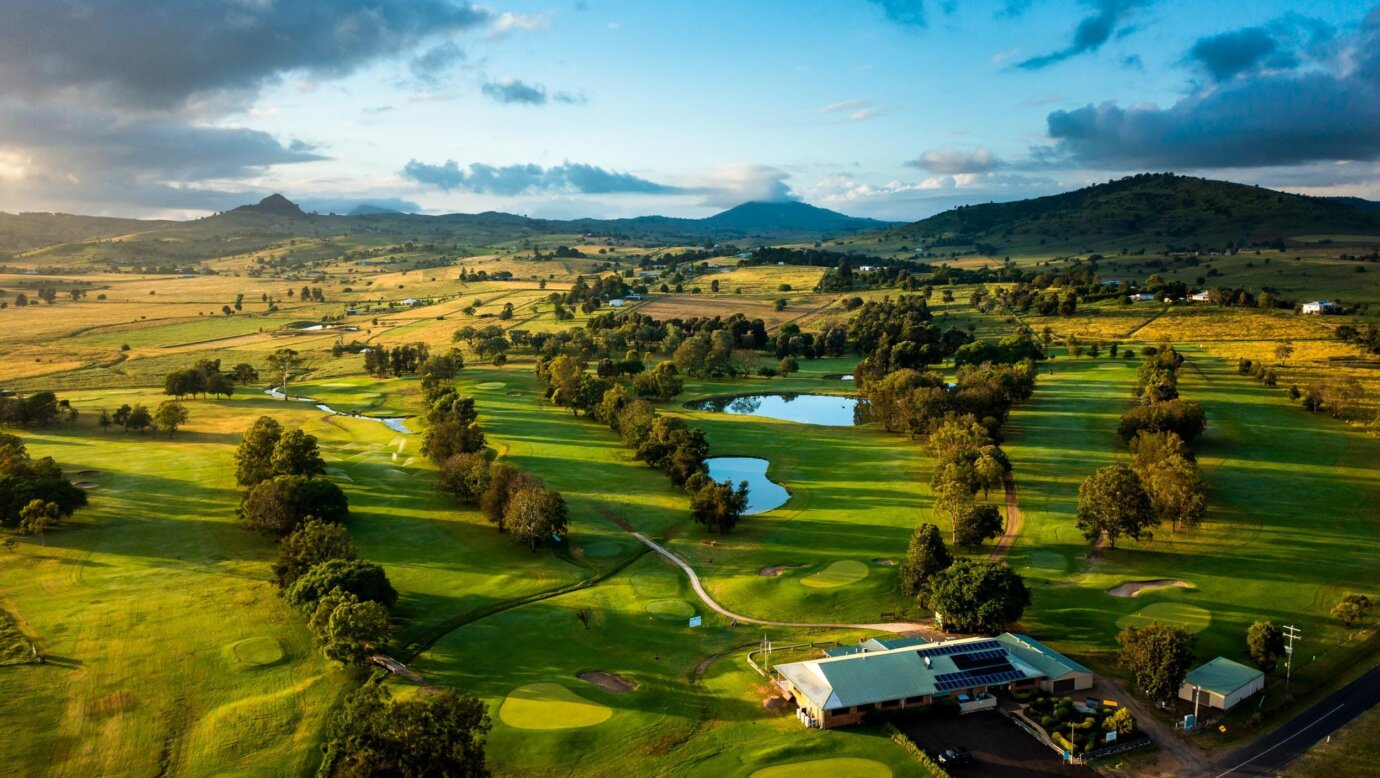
x=979 y=659
x=944 y=649
x=947 y=682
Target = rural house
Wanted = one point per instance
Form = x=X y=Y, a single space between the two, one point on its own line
x=1318 y=307
x=1222 y=683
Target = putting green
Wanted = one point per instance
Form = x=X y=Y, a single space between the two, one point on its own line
x=604 y=548
x=257 y=652
x=655 y=584
x=550 y=706
x=839 y=573
x=827 y=768
x=490 y=385
x=670 y=610
x=1190 y=617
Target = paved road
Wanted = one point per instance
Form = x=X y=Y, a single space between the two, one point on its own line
x=894 y=627
x=1271 y=753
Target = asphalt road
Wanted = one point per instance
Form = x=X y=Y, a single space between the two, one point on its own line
x=1270 y=754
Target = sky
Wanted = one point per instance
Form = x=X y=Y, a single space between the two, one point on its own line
x=894 y=109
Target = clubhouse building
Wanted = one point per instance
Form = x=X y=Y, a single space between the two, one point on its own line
x=840 y=688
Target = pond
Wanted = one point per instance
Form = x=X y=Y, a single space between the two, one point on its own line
x=827 y=410
x=763 y=493
x=395 y=423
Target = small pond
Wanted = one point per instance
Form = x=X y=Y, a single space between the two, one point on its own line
x=763 y=493
x=828 y=410
x=395 y=423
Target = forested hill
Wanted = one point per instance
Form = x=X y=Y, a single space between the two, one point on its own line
x=1154 y=212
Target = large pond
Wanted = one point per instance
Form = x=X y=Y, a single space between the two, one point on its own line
x=828 y=410
x=395 y=423
x=763 y=493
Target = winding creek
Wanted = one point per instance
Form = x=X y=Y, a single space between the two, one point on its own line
x=395 y=423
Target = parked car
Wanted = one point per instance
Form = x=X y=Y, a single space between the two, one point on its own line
x=955 y=757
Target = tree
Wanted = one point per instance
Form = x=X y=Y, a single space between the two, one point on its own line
x=245 y=373
x=254 y=457
x=788 y=366
x=494 y=500
x=220 y=385
x=38 y=516
x=717 y=506
x=981 y=597
x=563 y=379
x=170 y=415
x=283 y=362
x=925 y=557
x=1158 y=657
x=1283 y=351
x=24 y=481
x=1175 y=491
x=353 y=630
x=1149 y=447
x=1112 y=502
x=297 y=453
x=1265 y=642
x=314 y=542
x=1122 y=722
x=434 y=734
x=533 y=515
x=1351 y=609
x=974 y=524
x=279 y=505
x=464 y=476
x=139 y=419
x=104 y=420
x=661 y=383
x=365 y=580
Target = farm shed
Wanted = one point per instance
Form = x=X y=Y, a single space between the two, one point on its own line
x=1222 y=683
x=842 y=687
x=1061 y=674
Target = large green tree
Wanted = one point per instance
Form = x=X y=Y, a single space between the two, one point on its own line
x=349 y=630
x=974 y=524
x=297 y=453
x=254 y=457
x=279 y=505
x=24 y=480
x=1265 y=642
x=362 y=578
x=1112 y=502
x=982 y=597
x=534 y=515
x=464 y=476
x=717 y=506
x=284 y=362
x=925 y=558
x=1158 y=657
x=439 y=734
x=314 y=542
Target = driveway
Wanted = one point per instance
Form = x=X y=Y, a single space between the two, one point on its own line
x=1000 y=748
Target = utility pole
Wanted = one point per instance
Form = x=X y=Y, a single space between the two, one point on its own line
x=1197 y=697
x=1292 y=633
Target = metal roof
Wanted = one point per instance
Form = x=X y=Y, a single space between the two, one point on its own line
x=866 y=677
x=1222 y=676
x=1043 y=658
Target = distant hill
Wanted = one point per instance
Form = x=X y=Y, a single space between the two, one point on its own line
x=1357 y=202
x=367 y=209
x=794 y=215
x=25 y=231
x=273 y=205
x=1150 y=211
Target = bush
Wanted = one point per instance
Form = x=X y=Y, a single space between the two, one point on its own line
x=365 y=580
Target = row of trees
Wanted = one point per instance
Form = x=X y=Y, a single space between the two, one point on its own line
x=206 y=378
x=168 y=416
x=915 y=403
x=518 y=503
x=968 y=595
x=967 y=461
x=344 y=599
x=382 y=362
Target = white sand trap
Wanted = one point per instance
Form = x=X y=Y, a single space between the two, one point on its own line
x=1134 y=588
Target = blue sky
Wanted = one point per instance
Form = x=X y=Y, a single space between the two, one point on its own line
x=889 y=108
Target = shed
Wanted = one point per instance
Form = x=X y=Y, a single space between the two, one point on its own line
x=1222 y=683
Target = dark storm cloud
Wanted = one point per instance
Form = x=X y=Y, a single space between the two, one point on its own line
x=162 y=54
x=509 y=180
x=1271 y=118
x=1109 y=18
x=1281 y=45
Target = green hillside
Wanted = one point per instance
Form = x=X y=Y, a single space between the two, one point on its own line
x=1153 y=212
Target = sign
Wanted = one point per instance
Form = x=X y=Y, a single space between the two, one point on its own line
x=1189 y=721
x=695 y=621
x=1111 y=736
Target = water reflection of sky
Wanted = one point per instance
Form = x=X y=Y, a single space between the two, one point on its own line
x=823 y=409
x=763 y=493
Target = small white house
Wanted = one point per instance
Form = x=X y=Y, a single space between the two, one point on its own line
x=1201 y=297
x=1318 y=307
x=1142 y=297
x=1221 y=683
x=411 y=302
x=615 y=303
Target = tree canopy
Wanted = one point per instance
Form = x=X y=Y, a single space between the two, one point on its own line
x=981 y=597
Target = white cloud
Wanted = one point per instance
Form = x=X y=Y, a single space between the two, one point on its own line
x=508 y=22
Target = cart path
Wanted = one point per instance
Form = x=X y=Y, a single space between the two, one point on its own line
x=1013 y=519
x=895 y=627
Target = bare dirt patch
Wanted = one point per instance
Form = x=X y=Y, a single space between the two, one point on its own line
x=609 y=682
x=1134 y=588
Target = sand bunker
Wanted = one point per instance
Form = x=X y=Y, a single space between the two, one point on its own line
x=884 y=562
x=86 y=485
x=1134 y=588
x=609 y=682
x=771 y=571
x=514 y=394
x=89 y=473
